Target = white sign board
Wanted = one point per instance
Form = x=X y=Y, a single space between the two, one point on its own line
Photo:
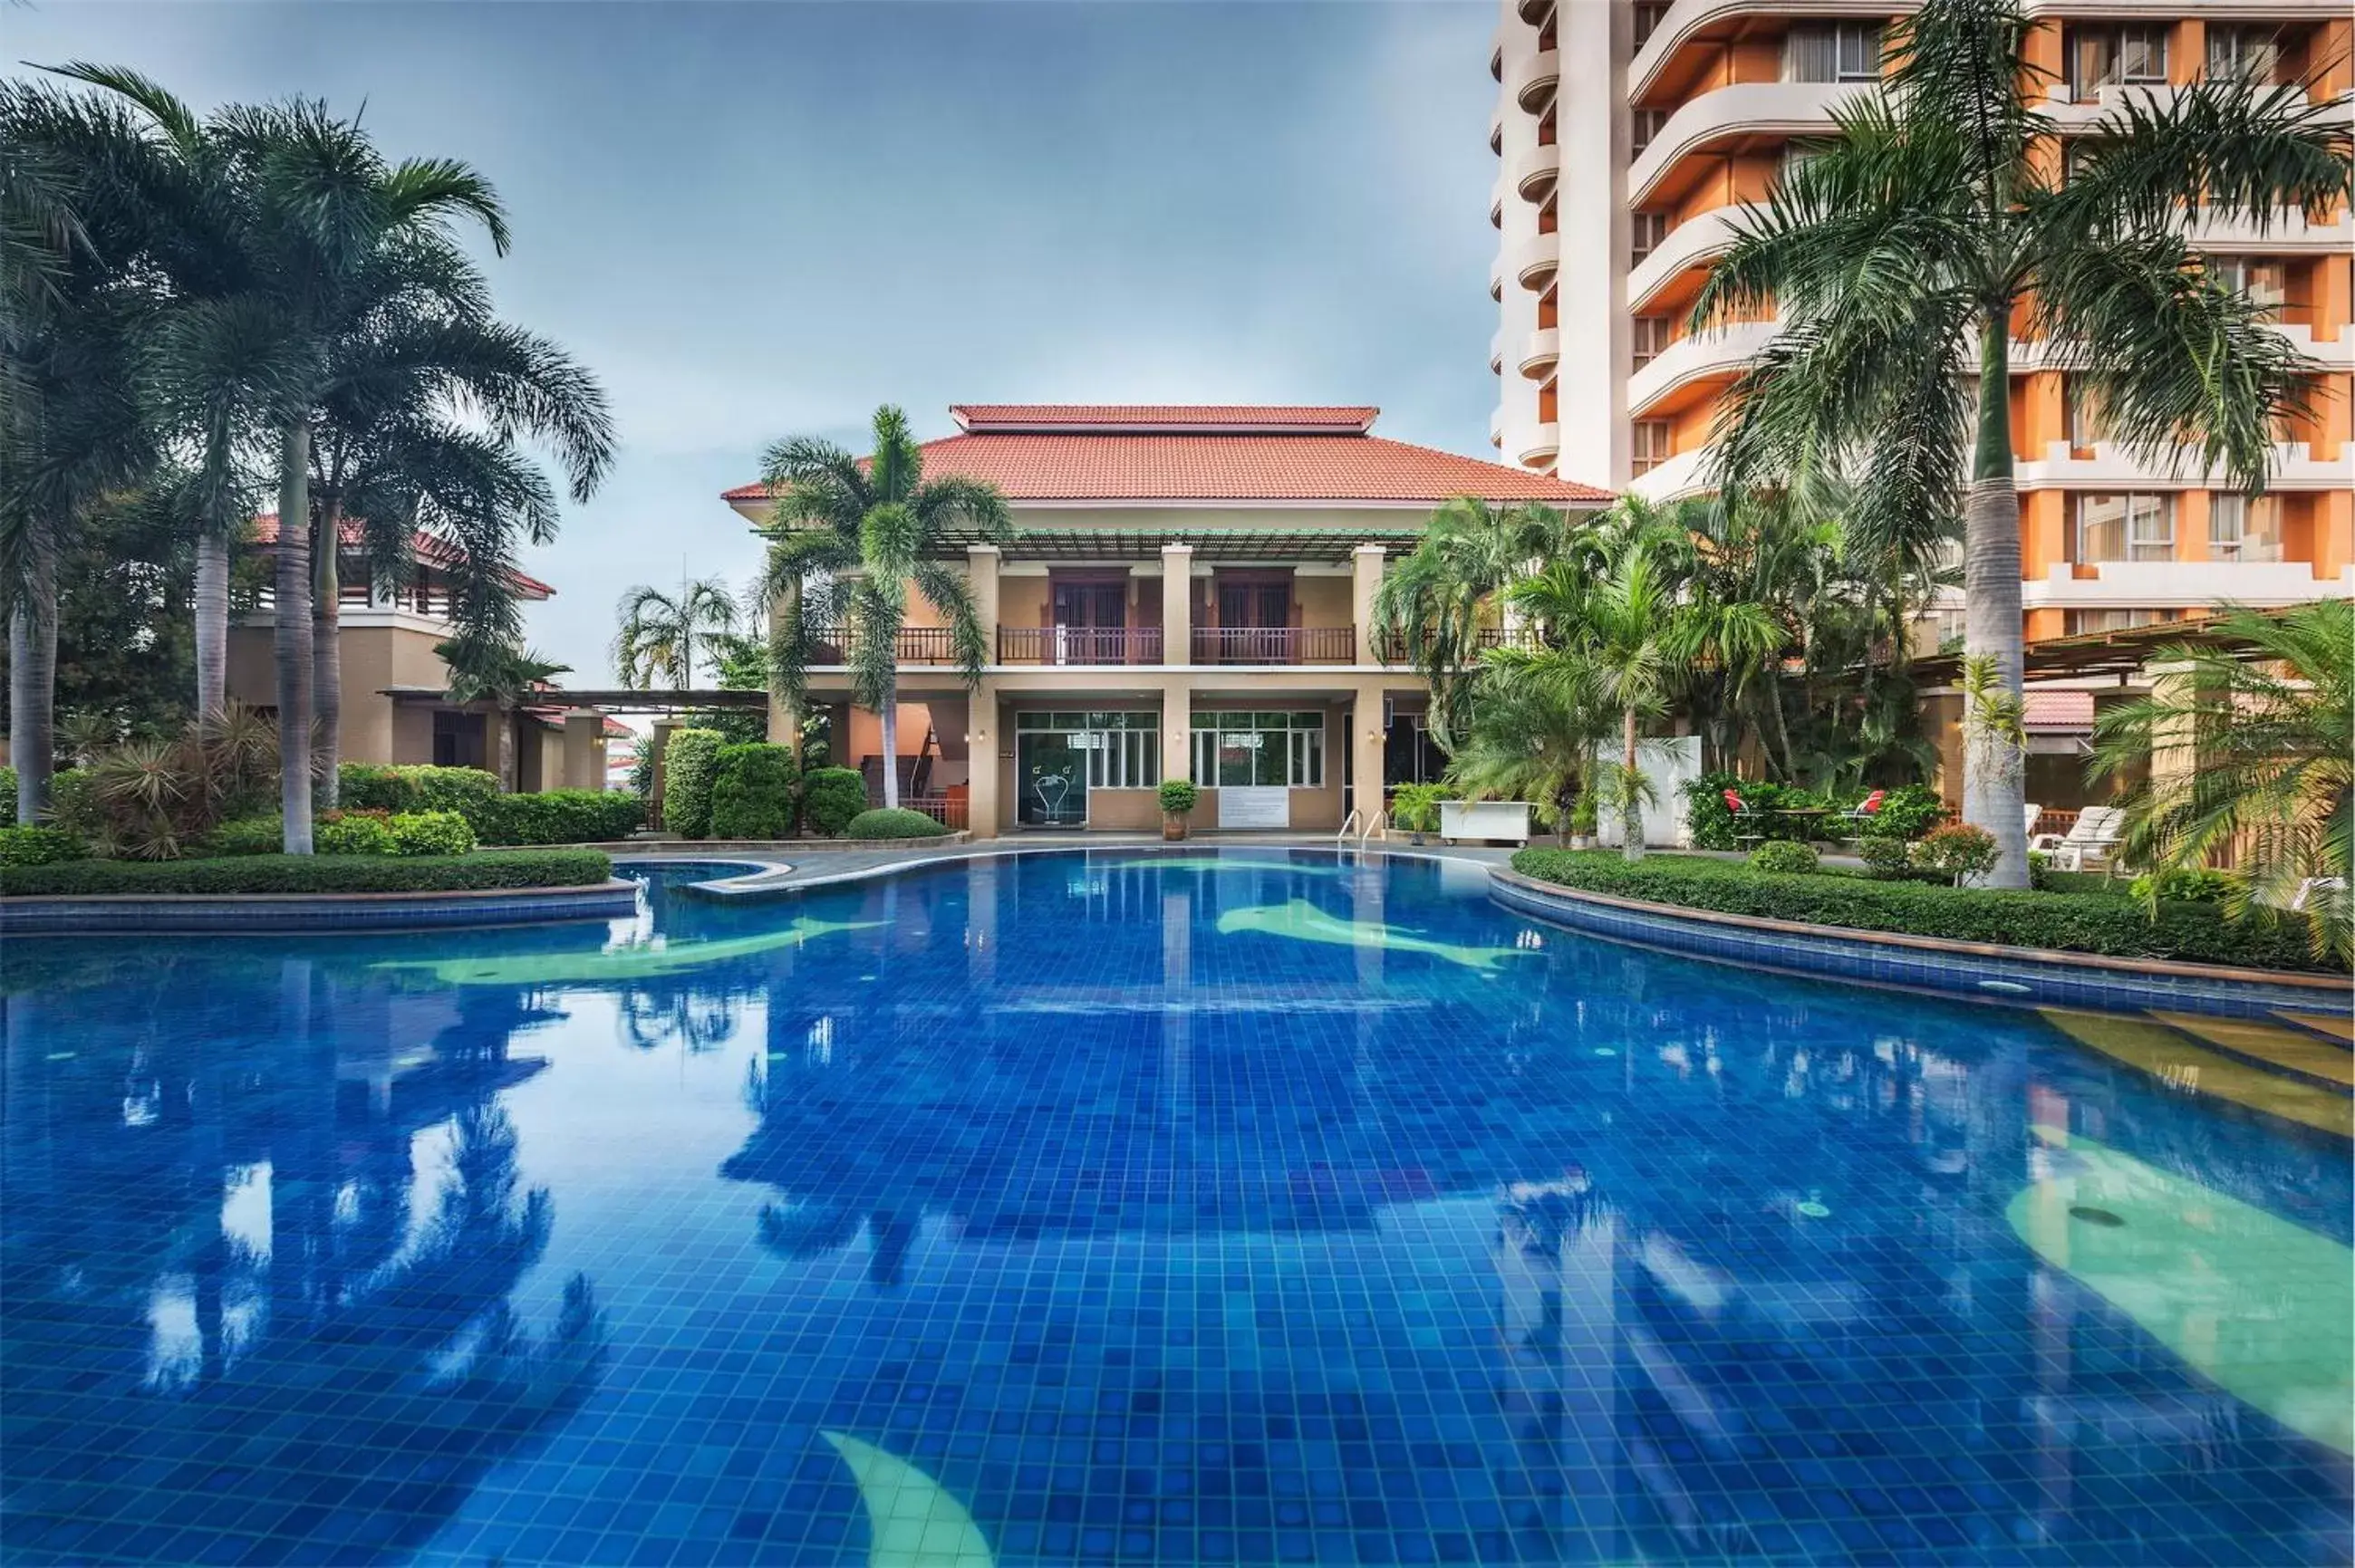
x=1256 y=806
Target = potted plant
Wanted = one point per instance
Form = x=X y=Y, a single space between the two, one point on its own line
x=1177 y=798
x=1583 y=820
x=1415 y=808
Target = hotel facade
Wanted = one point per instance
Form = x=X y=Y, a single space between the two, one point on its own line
x=1629 y=132
x=1186 y=592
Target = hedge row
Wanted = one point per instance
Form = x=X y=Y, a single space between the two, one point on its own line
x=2070 y=922
x=312 y=874
x=893 y=822
x=543 y=817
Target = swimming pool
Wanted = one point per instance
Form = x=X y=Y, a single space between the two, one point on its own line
x=1215 y=1205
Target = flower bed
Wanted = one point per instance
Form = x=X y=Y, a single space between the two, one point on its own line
x=282 y=874
x=2067 y=922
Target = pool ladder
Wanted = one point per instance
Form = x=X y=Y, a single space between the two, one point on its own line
x=1363 y=828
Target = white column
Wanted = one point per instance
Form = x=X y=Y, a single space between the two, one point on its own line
x=1176 y=606
x=1591 y=125
x=583 y=730
x=1365 y=582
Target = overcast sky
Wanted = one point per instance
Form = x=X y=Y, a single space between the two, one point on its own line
x=761 y=219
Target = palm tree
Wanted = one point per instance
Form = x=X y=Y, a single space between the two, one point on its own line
x=2263 y=712
x=1533 y=735
x=660 y=631
x=1903 y=247
x=1440 y=601
x=506 y=676
x=853 y=538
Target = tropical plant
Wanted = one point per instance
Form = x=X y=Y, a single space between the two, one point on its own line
x=851 y=539
x=1958 y=850
x=2248 y=742
x=503 y=674
x=1178 y=796
x=1940 y=210
x=661 y=633
x=1995 y=737
x=1439 y=604
x=1415 y=807
x=1531 y=738
x=151 y=798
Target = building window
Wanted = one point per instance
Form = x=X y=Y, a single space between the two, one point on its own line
x=1650 y=15
x=1651 y=337
x=458 y=740
x=1940 y=632
x=1115 y=751
x=1241 y=749
x=1646 y=125
x=2133 y=55
x=2244 y=528
x=2084 y=621
x=2265 y=281
x=1644 y=236
x=2083 y=407
x=1650 y=448
x=1832 y=51
x=2244 y=54
x=2118 y=527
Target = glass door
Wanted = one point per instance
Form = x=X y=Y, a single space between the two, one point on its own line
x=1051 y=773
x=1091 y=622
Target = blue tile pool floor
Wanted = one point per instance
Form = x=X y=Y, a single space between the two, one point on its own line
x=1215 y=1206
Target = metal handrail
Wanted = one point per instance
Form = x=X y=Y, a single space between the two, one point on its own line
x=1379 y=823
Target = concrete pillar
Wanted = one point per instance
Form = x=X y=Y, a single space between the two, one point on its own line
x=1177 y=608
x=1365 y=581
x=981 y=563
x=1366 y=739
x=583 y=732
x=659 y=738
x=981 y=739
x=1177 y=728
x=785 y=724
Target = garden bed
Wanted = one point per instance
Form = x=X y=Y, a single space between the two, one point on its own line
x=2090 y=923
x=281 y=873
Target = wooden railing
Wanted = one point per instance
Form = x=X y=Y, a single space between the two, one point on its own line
x=1079 y=645
x=1275 y=645
x=1394 y=645
x=917 y=645
x=950 y=811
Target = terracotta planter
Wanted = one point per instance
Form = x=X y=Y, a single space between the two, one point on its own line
x=1173 y=825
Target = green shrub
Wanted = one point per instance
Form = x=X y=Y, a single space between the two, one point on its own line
x=1957 y=850
x=36 y=845
x=1178 y=796
x=245 y=836
x=312 y=874
x=2085 y=923
x=559 y=816
x=2182 y=887
x=893 y=822
x=431 y=833
x=8 y=796
x=1885 y=855
x=689 y=765
x=1906 y=812
x=1415 y=807
x=368 y=786
x=354 y=832
x=831 y=797
x=71 y=805
x=1784 y=858
x=752 y=792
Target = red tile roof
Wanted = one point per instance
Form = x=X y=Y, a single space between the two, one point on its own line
x=1230 y=418
x=2058 y=712
x=431 y=550
x=1236 y=455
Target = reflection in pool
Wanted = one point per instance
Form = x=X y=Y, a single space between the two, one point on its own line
x=1061 y=1208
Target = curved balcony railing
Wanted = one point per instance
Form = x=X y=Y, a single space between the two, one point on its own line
x=1539 y=353
x=1534 y=259
x=1079 y=645
x=1275 y=645
x=1749 y=108
x=1543 y=445
x=1534 y=169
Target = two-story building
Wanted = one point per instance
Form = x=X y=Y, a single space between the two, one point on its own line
x=395 y=688
x=1186 y=592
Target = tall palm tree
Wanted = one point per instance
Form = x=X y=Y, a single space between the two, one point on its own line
x=1906 y=244
x=72 y=314
x=1440 y=601
x=2263 y=714
x=661 y=633
x=853 y=536
x=504 y=676
x=1532 y=737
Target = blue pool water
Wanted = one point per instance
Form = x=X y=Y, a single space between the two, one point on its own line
x=1223 y=1206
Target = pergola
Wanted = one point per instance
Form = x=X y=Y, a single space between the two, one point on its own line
x=2123 y=652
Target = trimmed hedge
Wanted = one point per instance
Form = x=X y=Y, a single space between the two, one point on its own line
x=2071 y=922
x=370 y=785
x=690 y=763
x=1783 y=858
x=831 y=797
x=8 y=796
x=312 y=874
x=560 y=817
x=355 y=833
x=34 y=845
x=431 y=834
x=752 y=792
x=894 y=822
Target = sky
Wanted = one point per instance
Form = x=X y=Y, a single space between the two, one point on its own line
x=754 y=221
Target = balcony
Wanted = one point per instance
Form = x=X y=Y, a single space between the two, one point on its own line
x=1079 y=645
x=1497 y=428
x=1542 y=446
x=1497 y=279
x=1394 y=645
x=2288 y=234
x=1541 y=352
x=1714 y=21
x=1673 y=478
x=916 y=645
x=1532 y=260
x=1275 y=645
x=1707 y=357
x=2111 y=467
x=1752 y=111
x=1534 y=170
x=1531 y=79
x=2180 y=585
x=1687 y=247
x=1496 y=352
